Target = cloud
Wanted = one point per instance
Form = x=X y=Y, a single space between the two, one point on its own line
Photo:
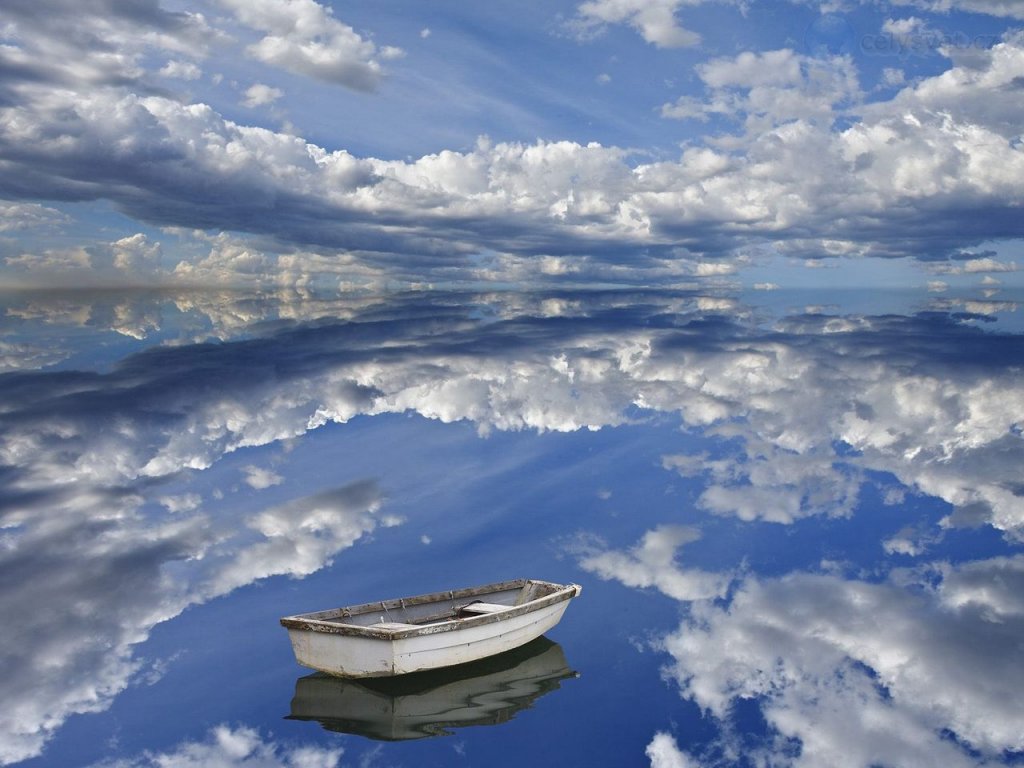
x=258 y=94
x=978 y=307
x=1000 y=8
x=707 y=269
x=975 y=266
x=893 y=77
x=652 y=564
x=301 y=537
x=108 y=569
x=260 y=478
x=800 y=413
x=780 y=466
x=775 y=483
x=22 y=356
x=134 y=252
x=907 y=36
x=16 y=217
x=304 y=37
x=183 y=70
x=101 y=45
x=229 y=261
x=916 y=175
x=87 y=539
x=910 y=540
x=968 y=263
x=859 y=673
x=53 y=262
x=233 y=747
x=991 y=587
x=770 y=88
x=183 y=503
x=663 y=752
x=655 y=20
x=1004 y=8
x=133 y=259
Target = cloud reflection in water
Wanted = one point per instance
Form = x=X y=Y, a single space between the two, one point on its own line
x=88 y=575
x=104 y=537
x=234 y=747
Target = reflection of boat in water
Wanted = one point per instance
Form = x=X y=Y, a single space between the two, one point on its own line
x=412 y=634
x=424 y=704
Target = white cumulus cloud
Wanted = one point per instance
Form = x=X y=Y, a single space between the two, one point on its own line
x=655 y=20
x=860 y=673
x=259 y=94
x=304 y=37
x=652 y=563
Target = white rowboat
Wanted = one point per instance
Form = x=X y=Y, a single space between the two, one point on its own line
x=412 y=634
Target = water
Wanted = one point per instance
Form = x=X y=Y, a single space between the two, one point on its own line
x=796 y=520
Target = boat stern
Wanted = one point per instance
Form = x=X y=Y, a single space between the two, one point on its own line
x=355 y=657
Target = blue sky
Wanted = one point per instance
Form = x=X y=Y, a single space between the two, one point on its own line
x=397 y=143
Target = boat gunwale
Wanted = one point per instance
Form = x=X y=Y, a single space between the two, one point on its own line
x=305 y=621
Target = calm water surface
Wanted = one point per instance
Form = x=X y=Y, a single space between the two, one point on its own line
x=797 y=520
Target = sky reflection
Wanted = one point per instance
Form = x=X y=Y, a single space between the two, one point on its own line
x=821 y=510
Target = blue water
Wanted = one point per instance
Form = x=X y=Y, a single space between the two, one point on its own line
x=796 y=519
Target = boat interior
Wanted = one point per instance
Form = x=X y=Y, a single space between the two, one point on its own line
x=438 y=607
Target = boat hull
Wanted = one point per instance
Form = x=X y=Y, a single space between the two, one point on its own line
x=388 y=648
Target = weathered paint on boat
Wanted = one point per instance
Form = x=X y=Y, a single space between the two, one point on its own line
x=412 y=634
